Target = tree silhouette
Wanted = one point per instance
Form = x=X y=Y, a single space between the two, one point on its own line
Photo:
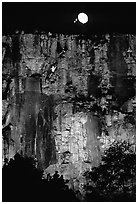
x=23 y=182
x=114 y=179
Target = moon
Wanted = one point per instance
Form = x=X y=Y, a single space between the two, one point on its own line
x=83 y=18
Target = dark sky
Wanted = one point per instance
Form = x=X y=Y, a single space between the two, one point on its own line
x=58 y=17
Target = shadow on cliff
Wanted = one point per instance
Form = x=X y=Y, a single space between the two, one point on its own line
x=23 y=182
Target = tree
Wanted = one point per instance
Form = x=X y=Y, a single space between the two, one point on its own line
x=114 y=179
x=23 y=182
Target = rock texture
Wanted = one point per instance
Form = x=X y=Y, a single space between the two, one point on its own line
x=68 y=97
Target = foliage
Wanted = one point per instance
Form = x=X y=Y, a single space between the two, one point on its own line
x=114 y=179
x=23 y=182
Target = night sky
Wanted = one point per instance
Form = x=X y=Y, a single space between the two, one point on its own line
x=58 y=17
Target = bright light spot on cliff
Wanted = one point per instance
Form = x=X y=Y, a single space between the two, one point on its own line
x=83 y=18
x=53 y=68
x=83 y=120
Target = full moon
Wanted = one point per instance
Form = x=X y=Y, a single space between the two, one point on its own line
x=83 y=18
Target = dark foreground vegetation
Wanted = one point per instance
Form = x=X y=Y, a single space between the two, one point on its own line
x=22 y=182
x=113 y=181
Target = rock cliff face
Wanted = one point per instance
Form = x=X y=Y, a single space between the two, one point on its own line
x=67 y=97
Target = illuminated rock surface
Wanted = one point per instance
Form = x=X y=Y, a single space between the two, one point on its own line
x=68 y=97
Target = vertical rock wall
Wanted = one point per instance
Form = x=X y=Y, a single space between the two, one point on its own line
x=68 y=97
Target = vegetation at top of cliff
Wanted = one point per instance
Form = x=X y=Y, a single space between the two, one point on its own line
x=23 y=182
x=114 y=179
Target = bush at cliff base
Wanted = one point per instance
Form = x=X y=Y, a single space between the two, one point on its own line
x=23 y=182
x=115 y=178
